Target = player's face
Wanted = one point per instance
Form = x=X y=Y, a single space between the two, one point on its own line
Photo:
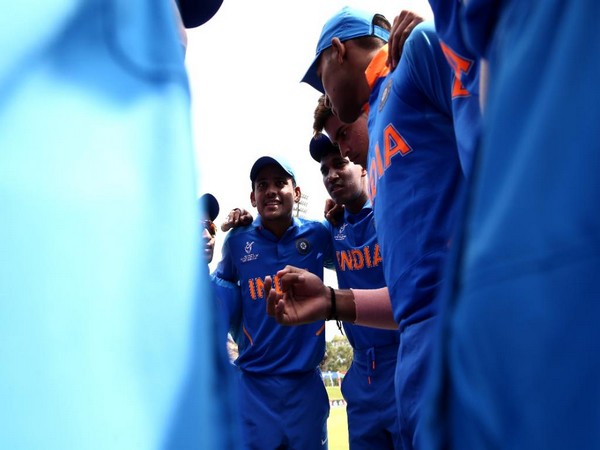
x=344 y=181
x=352 y=139
x=208 y=238
x=344 y=83
x=274 y=194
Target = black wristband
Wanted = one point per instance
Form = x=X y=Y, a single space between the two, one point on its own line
x=333 y=312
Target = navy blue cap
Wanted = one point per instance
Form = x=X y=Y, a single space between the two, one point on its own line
x=196 y=12
x=209 y=206
x=348 y=23
x=264 y=161
x=320 y=146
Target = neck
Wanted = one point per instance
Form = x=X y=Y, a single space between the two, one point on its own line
x=277 y=227
x=355 y=206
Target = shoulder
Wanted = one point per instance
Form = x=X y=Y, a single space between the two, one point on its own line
x=423 y=35
x=309 y=224
x=240 y=232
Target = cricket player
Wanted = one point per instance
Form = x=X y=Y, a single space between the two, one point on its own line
x=105 y=324
x=282 y=400
x=414 y=175
x=520 y=365
x=369 y=384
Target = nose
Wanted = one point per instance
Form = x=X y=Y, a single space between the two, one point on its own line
x=344 y=149
x=332 y=175
x=271 y=190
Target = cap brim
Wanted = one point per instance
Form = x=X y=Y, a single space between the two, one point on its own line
x=197 y=12
x=311 y=77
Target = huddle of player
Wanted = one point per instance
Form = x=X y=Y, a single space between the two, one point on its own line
x=450 y=267
x=466 y=253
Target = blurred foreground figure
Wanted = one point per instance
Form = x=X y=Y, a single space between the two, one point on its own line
x=521 y=340
x=105 y=335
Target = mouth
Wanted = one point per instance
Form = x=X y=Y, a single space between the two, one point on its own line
x=334 y=188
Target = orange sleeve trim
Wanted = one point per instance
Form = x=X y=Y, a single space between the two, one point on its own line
x=320 y=330
x=376 y=69
x=248 y=335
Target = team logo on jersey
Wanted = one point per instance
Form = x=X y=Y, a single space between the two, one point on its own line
x=249 y=256
x=385 y=94
x=341 y=233
x=303 y=246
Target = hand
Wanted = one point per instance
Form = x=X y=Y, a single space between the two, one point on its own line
x=237 y=217
x=301 y=298
x=401 y=29
x=334 y=213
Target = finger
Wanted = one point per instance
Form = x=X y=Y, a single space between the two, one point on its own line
x=280 y=314
x=331 y=218
x=289 y=269
x=289 y=280
x=408 y=24
x=400 y=23
x=272 y=296
x=329 y=205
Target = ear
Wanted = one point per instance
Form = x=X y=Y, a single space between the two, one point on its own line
x=338 y=50
x=253 y=199
x=297 y=194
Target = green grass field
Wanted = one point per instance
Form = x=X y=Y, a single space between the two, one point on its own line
x=337 y=424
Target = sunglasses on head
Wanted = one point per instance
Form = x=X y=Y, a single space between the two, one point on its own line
x=209 y=226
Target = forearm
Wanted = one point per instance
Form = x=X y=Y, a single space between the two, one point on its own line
x=373 y=308
x=343 y=305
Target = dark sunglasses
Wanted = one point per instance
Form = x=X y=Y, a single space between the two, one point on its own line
x=209 y=226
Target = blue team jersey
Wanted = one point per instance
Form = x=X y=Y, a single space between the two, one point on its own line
x=465 y=83
x=414 y=171
x=107 y=337
x=520 y=360
x=229 y=306
x=358 y=264
x=249 y=255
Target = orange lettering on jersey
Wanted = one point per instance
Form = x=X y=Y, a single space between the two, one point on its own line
x=252 y=289
x=372 y=180
x=256 y=287
x=357 y=259
x=260 y=287
x=459 y=65
x=344 y=260
x=377 y=256
x=367 y=255
x=393 y=143
x=378 y=158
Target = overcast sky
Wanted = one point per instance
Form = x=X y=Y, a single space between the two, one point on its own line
x=245 y=67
